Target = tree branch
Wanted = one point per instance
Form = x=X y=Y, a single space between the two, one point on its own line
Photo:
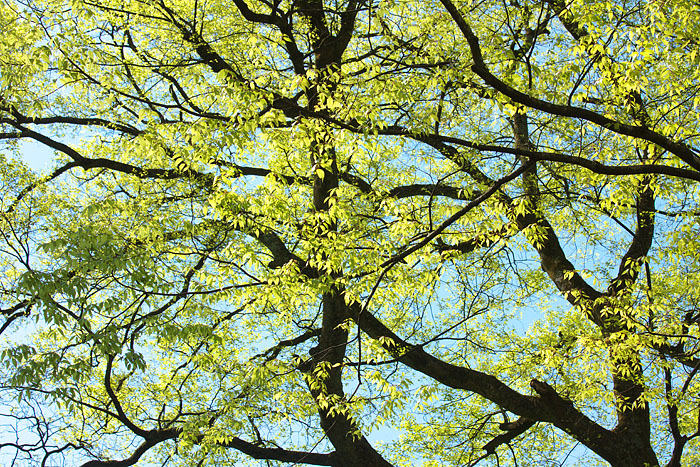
x=513 y=430
x=684 y=152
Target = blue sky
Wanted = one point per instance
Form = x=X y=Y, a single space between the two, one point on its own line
x=35 y=155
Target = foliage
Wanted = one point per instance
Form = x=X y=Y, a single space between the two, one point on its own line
x=350 y=232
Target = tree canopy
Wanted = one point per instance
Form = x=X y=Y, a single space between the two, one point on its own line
x=350 y=233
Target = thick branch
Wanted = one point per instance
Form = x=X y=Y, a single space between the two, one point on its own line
x=428 y=190
x=152 y=439
x=641 y=242
x=253 y=450
x=548 y=407
x=86 y=163
x=512 y=431
x=24 y=120
x=295 y=457
x=684 y=152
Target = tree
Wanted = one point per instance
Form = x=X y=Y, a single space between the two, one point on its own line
x=274 y=229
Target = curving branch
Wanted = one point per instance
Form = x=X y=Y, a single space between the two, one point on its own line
x=152 y=439
x=283 y=455
x=18 y=118
x=512 y=431
x=548 y=407
x=684 y=152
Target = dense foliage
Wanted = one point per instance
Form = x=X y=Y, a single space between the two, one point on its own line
x=350 y=232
